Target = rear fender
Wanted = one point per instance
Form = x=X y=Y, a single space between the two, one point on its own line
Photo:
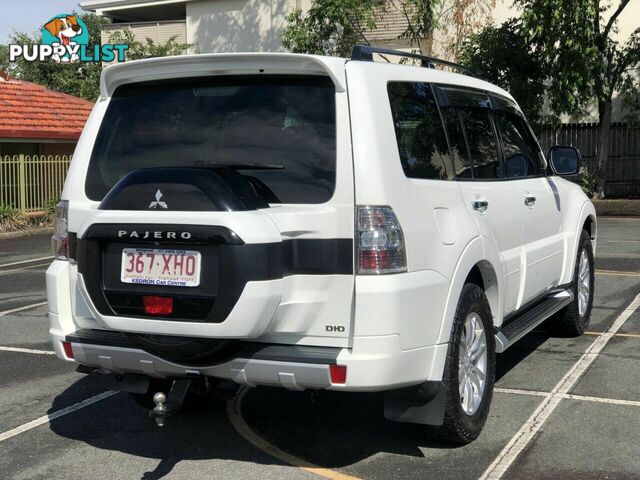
x=477 y=253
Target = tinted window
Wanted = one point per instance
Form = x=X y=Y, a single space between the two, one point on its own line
x=422 y=143
x=521 y=153
x=463 y=98
x=284 y=121
x=459 y=151
x=481 y=139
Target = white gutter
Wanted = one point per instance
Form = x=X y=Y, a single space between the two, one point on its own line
x=102 y=6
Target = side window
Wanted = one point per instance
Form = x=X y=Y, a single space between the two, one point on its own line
x=422 y=143
x=459 y=151
x=521 y=153
x=483 y=146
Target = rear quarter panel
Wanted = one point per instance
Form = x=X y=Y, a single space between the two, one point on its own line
x=436 y=225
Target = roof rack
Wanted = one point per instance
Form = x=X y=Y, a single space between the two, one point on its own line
x=365 y=53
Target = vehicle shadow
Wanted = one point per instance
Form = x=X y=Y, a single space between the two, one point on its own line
x=328 y=429
x=507 y=361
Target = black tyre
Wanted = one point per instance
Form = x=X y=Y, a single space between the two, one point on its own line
x=574 y=319
x=469 y=372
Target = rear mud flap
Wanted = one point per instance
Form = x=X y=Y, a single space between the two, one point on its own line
x=423 y=404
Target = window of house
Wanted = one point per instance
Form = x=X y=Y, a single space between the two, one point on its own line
x=422 y=142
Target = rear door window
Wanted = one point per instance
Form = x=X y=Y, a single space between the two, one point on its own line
x=472 y=135
x=422 y=142
x=483 y=146
x=521 y=152
x=285 y=124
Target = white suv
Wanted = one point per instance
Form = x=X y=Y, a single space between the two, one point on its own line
x=314 y=223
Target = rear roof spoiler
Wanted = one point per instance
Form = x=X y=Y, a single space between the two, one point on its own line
x=185 y=66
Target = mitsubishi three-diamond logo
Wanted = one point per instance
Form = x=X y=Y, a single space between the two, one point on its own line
x=157 y=202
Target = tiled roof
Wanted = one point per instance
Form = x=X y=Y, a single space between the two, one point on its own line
x=29 y=110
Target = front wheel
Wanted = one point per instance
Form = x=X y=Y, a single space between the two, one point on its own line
x=469 y=370
x=574 y=319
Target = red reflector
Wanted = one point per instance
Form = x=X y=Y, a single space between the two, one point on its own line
x=338 y=373
x=374 y=259
x=68 y=349
x=158 y=305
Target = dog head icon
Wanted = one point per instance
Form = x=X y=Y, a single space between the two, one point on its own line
x=64 y=28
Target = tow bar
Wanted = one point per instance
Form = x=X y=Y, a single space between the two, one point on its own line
x=167 y=405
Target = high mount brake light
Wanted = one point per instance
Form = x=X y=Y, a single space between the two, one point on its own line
x=60 y=238
x=380 y=241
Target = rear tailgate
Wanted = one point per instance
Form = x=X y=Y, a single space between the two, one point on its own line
x=276 y=125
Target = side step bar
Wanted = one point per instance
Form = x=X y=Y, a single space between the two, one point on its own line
x=522 y=324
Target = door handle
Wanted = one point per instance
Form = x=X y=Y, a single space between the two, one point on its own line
x=480 y=205
x=529 y=200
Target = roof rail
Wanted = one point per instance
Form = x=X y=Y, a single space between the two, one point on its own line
x=365 y=53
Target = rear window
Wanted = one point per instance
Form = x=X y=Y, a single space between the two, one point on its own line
x=422 y=143
x=284 y=123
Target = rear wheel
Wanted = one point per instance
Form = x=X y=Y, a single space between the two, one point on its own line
x=574 y=319
x=469 y=370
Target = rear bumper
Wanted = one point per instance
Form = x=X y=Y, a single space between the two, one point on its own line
x=289 y=366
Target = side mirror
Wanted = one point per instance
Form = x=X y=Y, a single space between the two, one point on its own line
x=565 y=160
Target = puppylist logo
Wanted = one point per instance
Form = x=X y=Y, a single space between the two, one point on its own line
x=65 y=39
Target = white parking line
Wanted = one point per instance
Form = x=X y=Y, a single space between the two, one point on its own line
x=20 y=309
x=26 y=261
x=52 y=416
x=27 y=350
x=568 y=396
x=531 y=427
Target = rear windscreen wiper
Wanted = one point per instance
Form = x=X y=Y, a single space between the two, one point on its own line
x=239 y=166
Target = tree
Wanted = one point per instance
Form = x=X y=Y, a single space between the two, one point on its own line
x=503 y=56
x=138 y=50
x=333 y=27
x=584 y=62
x=457 y=20
x=81 y=80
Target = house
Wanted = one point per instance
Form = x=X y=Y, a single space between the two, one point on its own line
x=208 y=25
x=212 y=26
x=37 y=121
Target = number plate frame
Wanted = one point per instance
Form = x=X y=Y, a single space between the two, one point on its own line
x=163 y=259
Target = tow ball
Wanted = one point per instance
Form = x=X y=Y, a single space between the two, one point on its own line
x=167 y=405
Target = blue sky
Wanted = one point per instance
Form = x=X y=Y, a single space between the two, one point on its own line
x=29 y=15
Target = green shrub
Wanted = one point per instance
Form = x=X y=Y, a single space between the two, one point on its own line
x=50 y=208
x=9 y=213
x=11 y=218
x=588 y=182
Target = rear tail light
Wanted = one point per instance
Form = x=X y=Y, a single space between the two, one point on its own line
x=157 y=305
x=338 y=374
x=60 y=238
x=380 y=241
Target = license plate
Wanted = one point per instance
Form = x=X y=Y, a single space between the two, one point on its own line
x=150 y=266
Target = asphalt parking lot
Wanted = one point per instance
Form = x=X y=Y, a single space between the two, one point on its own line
x=564 y=407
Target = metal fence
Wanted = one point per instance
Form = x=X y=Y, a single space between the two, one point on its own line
x=31 y=183
x=623 y=166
